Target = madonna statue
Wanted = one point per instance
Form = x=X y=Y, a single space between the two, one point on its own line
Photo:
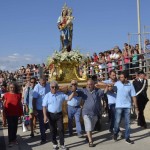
x=65 y=26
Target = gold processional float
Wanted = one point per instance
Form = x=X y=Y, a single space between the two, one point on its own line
x=64 y=64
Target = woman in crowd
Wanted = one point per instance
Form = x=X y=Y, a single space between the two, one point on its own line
x=108 y=61
x=13 y=109
x=126 y=55
x=135 y=63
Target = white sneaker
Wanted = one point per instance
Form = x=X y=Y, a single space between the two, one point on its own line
x=55 y=147
x=63 y=147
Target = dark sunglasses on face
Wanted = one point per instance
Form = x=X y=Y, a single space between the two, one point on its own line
x=73 y=84
x=54 y=87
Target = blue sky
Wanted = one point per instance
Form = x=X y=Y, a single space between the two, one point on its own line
x=28 y=28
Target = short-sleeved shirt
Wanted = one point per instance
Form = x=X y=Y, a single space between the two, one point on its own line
x=124 y=94
x=75 y=101
x=13 y=104
x=39 y=92
x=30 y=97
x=54 y=102
x=92 y=101
x=110 y=95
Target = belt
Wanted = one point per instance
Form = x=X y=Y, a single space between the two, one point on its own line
x=74 y=106
x=56 y=113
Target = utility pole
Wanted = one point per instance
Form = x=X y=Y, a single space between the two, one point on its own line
x=139 y=25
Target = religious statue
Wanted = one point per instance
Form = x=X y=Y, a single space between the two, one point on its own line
x=65 y=25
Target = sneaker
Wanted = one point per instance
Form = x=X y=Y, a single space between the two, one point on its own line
x=55 y=147
x=115 y=137
x=10 y=145
x=42 y=142
x=129 y=141
x=32 y=134
x=121 y=135
x=63 y=147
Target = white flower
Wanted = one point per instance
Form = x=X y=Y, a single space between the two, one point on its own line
x=58 y=57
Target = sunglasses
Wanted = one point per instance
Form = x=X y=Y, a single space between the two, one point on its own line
x=73 y=84
x=54 y=87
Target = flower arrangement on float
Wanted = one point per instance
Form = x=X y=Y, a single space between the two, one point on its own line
x=59 y=57
x=63 y=66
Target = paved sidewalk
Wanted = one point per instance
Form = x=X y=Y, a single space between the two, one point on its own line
x=102 y=139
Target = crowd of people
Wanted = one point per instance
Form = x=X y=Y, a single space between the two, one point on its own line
x=43 y=101
x=129 y=58
x=24 y=73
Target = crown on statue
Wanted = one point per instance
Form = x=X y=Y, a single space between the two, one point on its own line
x=65 y=7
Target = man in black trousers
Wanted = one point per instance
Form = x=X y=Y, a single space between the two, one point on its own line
x=141 y=85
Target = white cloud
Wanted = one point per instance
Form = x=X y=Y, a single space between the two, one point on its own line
x=27 y=58
x=12 y=56
x=16 y=54
x=15 y=61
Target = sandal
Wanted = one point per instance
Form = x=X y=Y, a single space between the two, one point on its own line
x=91 y=144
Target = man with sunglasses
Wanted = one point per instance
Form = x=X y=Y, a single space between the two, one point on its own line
x=74 y=110
x=52 y=103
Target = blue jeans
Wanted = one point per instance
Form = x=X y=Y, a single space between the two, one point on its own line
x=74 y=112
x=42 y=125
x=112 y=116
x=118 y=115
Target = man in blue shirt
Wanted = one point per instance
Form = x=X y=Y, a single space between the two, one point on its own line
x=28 y=97
x=40 y=90
x=125 y=92
x=74 y=110
x=53 y=103
x=111 y=96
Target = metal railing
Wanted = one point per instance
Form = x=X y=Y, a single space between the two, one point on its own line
x=141 y=64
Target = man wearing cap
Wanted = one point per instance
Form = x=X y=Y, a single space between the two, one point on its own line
x=141 y=85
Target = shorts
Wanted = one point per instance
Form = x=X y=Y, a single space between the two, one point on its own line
x=89 y=122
